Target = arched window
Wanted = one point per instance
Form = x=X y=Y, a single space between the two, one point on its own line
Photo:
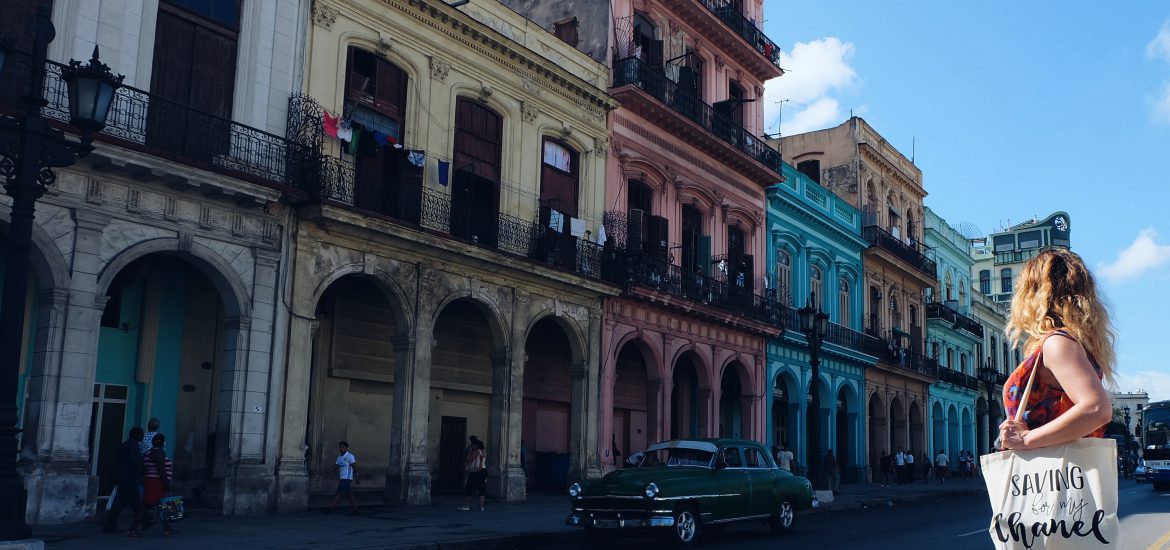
x=963 y=363
x=843 y=303
x=911 y=236
x=948 y=291
x=934 y=350
x=985 y=282
x=993 y=356
x=1005 y=280
x=815 y=284
x=476 y=160
x=895 y=312
x=950 y=358
x=784 y=277
x=385 y=181
x=962 y=293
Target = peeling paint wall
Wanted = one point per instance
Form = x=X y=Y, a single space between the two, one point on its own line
x=592 y=16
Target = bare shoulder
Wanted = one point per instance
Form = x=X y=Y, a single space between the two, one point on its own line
x=1063 y=349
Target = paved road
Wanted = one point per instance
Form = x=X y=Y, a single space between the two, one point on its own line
x=954 y=524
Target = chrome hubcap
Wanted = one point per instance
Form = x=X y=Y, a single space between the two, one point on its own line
x=786 y=514
x=686 y=526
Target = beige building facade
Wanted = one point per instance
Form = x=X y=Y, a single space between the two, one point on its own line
x=449 y=287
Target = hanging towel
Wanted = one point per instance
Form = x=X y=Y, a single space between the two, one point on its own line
x=417 y=158
x=353 y=143
x=556 y=221
x=344 y=130
x=330 y=124
x=444 y=171
x=601 y=235
x=576 y=227
x=380 y=137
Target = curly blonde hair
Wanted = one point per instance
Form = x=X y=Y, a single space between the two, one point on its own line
x=1055 y=290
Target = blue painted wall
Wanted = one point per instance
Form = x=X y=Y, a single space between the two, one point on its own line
x=815 y=227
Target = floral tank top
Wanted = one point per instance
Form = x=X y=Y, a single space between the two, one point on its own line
x=1046 y=402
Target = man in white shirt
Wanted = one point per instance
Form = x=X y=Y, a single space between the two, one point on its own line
x=346 y=474
x=784 y=458
x=909 y=467
x=900 y=466
x=941 y=465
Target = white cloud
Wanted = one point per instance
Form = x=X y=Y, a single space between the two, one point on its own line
x=1155 y=383
x=1142 y=255
x=1159 y=47
x=815 y=70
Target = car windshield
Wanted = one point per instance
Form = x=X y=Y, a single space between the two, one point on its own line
x=688 y=457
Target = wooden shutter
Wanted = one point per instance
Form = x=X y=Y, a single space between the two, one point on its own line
x=655 y=57
x=390 y=92
x=636 y=230
x=659 y=236
x=703 y=253
x=559 y=189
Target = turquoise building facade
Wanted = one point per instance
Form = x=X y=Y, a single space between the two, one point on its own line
x=954 y=343
x=814 y=256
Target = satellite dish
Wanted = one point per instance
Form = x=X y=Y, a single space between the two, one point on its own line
x=970 y=231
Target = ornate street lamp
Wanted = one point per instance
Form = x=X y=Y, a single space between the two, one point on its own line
x=814 y=323
x=1125 y=409
x=30 y=147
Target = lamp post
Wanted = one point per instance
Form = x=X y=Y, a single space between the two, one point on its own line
x=29 y=149
x=1125 y=409
x=814 y=323
x=990 y=375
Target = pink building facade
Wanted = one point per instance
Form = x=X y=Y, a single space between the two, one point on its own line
x=683 y=348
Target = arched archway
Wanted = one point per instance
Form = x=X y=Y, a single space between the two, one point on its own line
x=733 y=419
x=879 y=439
x=351 y=393
x=898 y=435
x=168 y=343
x=687 y=413
x=982 y=413
x=785 y=410
x=917 y=431
x=547 y=431
x=633 y=401
x=467 y=364
x=953 y=431
x=939 y=427
x=968 y=430
x=846 y=430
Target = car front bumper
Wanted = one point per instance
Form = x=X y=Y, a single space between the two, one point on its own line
x=585 y=518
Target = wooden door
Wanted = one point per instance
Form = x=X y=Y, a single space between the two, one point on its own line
x=452 y=442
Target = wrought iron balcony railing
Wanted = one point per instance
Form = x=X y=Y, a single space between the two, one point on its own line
x=910 y=254
x=838 y=334
x=635 y=269
x=731 y=16
x=939 y=310
x=634 y=71
x=174 y=131
x=957 y=378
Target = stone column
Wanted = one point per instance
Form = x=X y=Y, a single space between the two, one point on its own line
x=505 y=476
x=58 y=414
x=292 y=474
x=752 y=417
x=410 y=476
x=592 y=390
x=707 y=422
x=404 y=347
x=580 y=417
x=856 y=439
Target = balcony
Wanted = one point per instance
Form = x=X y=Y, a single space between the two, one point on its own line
x=162 y=128
x=724 y=24
x=963 y=380
x=650 y=93
x=633 y=269
x=910 y=254
x=939 y=310
x=837 y=334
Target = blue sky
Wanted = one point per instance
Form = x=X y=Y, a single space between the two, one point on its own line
x=1016 y=109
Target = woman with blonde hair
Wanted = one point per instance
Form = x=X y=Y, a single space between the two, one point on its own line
x=1065 y=330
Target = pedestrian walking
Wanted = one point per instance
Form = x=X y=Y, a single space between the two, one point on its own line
x=476 y=465
x=941 y=465
x=909 y=467
x=885 y=468
x=900 y=466
x=128 y=478
x=157 y=475
x=346 y=477
x=147 y=439
x=784 y=458
x=832 y=471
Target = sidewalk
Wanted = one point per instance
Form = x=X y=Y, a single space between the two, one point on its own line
x=535 y=523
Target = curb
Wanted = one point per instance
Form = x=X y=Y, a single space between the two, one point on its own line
x=896 y=500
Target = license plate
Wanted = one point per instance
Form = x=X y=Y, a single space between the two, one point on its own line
x=606 y=523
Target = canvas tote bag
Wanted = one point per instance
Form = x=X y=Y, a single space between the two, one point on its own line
x=1062 y=497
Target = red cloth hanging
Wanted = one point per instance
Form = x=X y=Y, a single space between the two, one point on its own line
x=330 y=124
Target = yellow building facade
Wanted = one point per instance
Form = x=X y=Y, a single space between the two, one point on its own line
x=445 y=280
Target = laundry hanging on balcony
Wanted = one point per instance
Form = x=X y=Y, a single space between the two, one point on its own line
x=329 y=123
x=576 y=227
x=444 y=172
x=556 y=220
x=417 y=157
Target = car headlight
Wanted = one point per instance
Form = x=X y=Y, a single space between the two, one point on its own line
x=574 y=489
x=651 y=490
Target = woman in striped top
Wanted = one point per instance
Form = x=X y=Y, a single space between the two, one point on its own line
x=157 y=476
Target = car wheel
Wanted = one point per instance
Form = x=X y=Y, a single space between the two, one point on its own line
x=600 y=538
x=785 y=517
x=686 y=526
x=1161 y=486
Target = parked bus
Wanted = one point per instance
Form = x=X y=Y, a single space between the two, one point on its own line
x=1155 y=440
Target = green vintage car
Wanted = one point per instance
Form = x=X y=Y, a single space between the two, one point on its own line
x=684 y=486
